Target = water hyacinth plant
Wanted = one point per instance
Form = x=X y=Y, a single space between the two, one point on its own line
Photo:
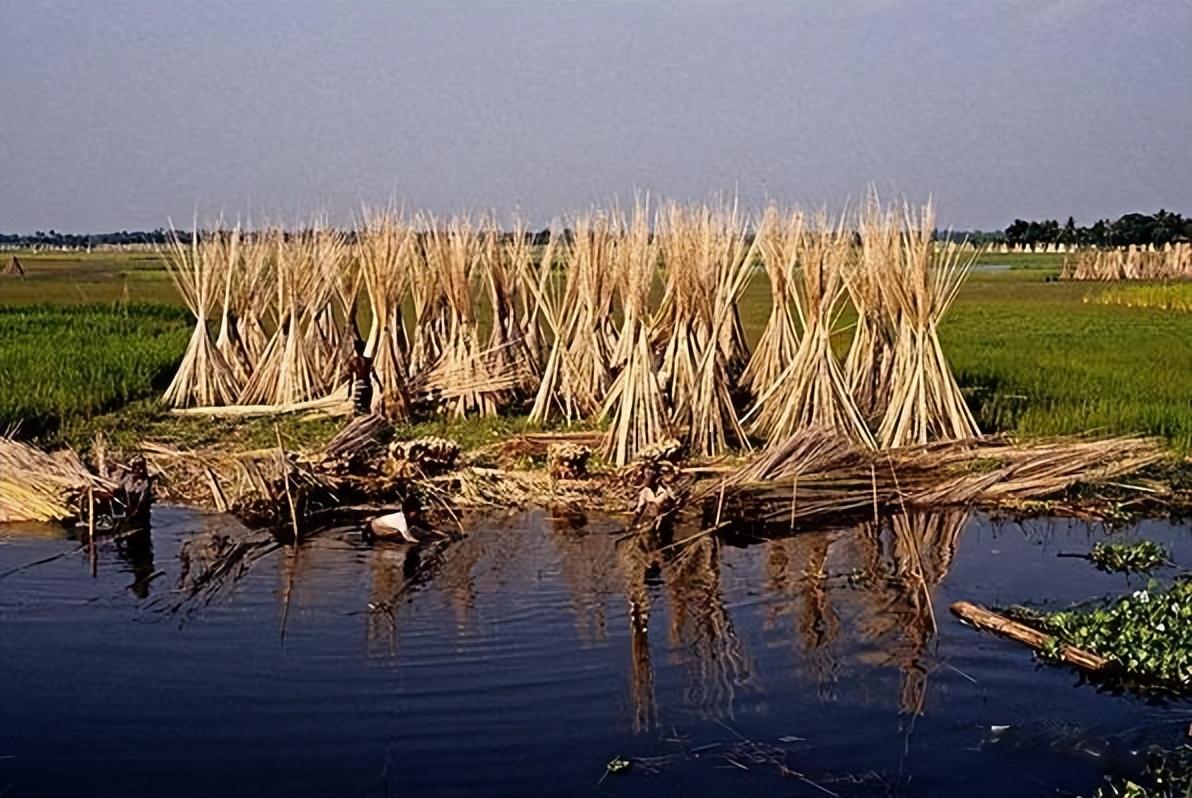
x=1139 y=557
x=1147 y=633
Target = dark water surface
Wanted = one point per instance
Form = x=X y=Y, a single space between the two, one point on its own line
x=525 y=657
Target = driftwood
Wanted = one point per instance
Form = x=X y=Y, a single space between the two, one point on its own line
x=982 y=618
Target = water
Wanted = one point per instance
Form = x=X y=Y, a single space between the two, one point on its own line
x=524 y=658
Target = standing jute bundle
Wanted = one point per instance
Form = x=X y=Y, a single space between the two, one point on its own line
x=635 y=405
x=925 y=402
x=204 y=376
x=811 y=392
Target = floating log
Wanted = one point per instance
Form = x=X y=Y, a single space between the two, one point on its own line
x=983 y=618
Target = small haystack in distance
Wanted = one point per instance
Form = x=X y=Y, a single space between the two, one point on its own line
x=925 y=402
x=204 y=376
x=1172 y=262
x=13 y=267
x=811 y=392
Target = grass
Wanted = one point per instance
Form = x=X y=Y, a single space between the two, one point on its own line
x=1161 y=296
x=64 y=364
x=1031 y=355
x=1035 y=359
x=86 y=278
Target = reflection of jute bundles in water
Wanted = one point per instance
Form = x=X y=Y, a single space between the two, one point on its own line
x=634 y=317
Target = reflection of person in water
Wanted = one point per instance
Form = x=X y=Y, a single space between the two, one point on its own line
x=136 y=550
x=137 y=487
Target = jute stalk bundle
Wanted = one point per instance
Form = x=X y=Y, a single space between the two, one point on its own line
x=40 y=486
x=925 y=402
x=714 y=424
x=578 y=372
x=331 y=262
x=204 y=376
x=811 y=392
x=1172 y=262
x=251 y=294
x=868 y=365
x=591 y=344
x=815 y=474
x=536 y=278
x=287 y=372
x=635 y=405
x=385 y=248
x=228 y=340
x=780 y=339
x=559 y=384
x=455 y=253
x=507 y=274
x=682 y=330
x=338 y=323
x=708 y=256
x=429 y=299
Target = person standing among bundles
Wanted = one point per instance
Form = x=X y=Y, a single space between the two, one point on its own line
x=360 y=377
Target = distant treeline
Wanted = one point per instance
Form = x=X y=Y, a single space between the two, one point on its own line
x=1133 y=228
x=55 y=240
x=159 y=237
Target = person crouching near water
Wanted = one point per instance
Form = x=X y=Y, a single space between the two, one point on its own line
x=360 y=377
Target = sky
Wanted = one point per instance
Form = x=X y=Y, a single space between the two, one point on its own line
x=123 y=116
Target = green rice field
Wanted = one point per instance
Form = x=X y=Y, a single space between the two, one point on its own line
x=1035 y=358
x=1160 y=296
x=63 y=364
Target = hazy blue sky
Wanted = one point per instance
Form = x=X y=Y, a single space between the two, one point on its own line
x=119 y=115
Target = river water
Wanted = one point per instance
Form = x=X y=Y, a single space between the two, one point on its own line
x=525 y=657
